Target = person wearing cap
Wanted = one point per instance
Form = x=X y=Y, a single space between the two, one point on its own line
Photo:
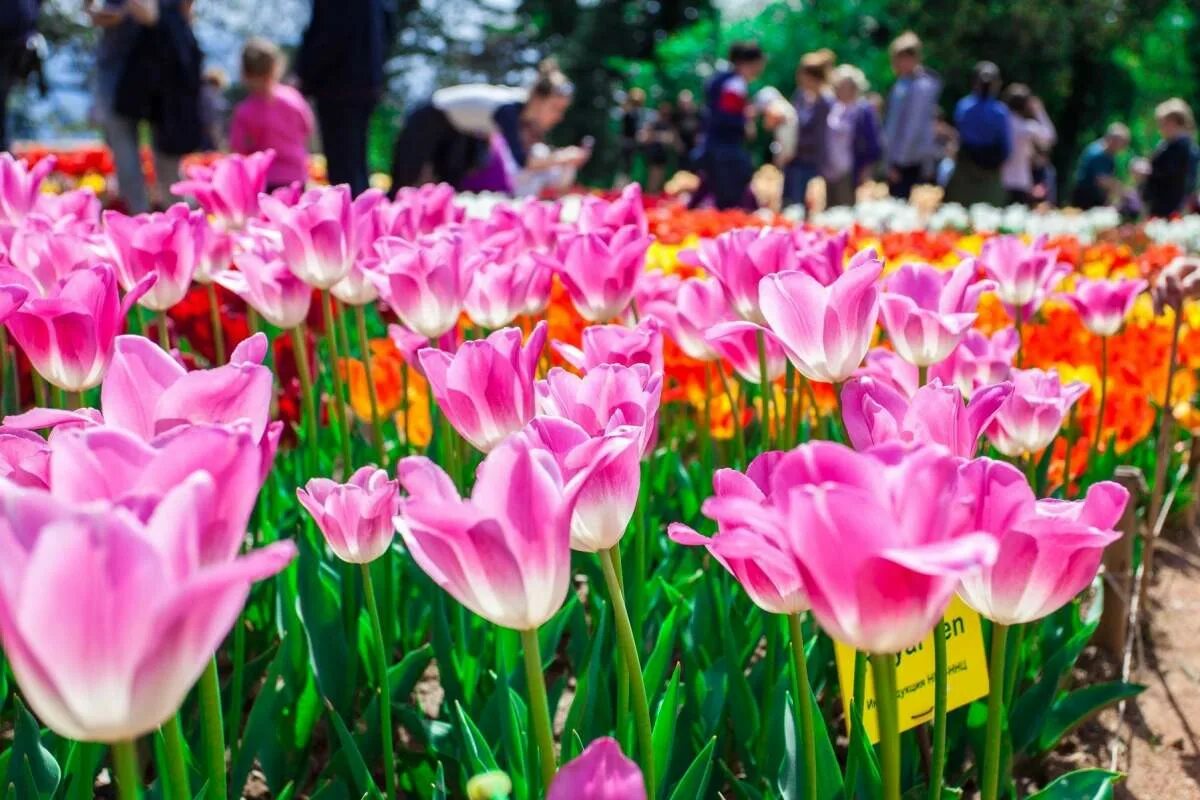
x=1096 y=182
x=984 y=141
x=908 y=128
x=723 y=159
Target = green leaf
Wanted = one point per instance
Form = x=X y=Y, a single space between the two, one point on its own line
x=321 y=615
x=439 y=786
x=32 y=768
x=1077 y=707
x=1083 y=784
x=656 y=665
x=81 y=763
x=694 y=782
x=515 y=741
x=868 y=783
x=1033 y=706
x=663 y=735
x=364 y=784
x=480 y=754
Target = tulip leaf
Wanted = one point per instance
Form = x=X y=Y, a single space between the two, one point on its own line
x=333 y=790
x=695 y=780
x=656 y=665
x=665 y=720
x=481 y=757
x=321 y=614
x=443 y=649
x=364 y=784
x=516 y=741
x=278 y=718
x=1075 y=708
x=32 y=769
x=81 y=762
x=1032 y=708
x=868 y=782
x=439 y=785
x=1082 y=784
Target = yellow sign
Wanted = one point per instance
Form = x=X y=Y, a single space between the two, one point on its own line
x=966 y=669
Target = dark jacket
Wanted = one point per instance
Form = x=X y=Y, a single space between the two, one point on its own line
x=867 y=146
x=1172 y=176
x=810 y=133
x=344 y=47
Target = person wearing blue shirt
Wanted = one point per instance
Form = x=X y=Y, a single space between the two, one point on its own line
x=1096 y=183
x=984 y=140
x=723 y=159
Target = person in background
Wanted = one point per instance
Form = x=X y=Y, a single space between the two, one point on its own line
x=659 y=141
x=274 y=116
x=812 y=102
x=476 y=136
x=633 y=112
x=214 y=108
x=908 y=125
x=1173 y=163
x=687 y=127
x=852 y=141
x=340 y=65
x=1096 y=183
x=1030 y=130
x=724 y=160
x=1045 y=179
x=945 y=138
x=780 y=119
x=984 y=140
x=18 y=24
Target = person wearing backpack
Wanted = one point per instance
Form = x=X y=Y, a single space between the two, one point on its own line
x=984 y=141
x=18 y=55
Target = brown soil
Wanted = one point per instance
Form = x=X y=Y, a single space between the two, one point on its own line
x=1159 y=742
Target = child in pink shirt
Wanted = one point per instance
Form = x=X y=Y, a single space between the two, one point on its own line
x=274 y=116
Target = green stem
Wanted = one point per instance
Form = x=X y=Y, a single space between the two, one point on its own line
x=164 y=335
x=841 y=412
x=364 y=344
x=237 y=685
x=1012 y=664
x=300 y=350
x=856 y=709
x=125 y=768
x=803 y=697
x=539 y=705
x=765 y=381
x=789 y=407
x=60 y=397
x=922 y=375
x=706 y=437
x=39 y=388
x=1103 y=399
x=213 y=731
x=990 y=783
x=385 y=696
x=883 y=667
x=339 y=403
x=940 y=689
x=1020 y=314
x=214 y=319
x=633 y=665
x=738 y=433
x=176 y=767
x=1070 y=438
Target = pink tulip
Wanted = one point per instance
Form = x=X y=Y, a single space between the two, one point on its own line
x=147 y=392
x=878 y=560
x=355 y=517
x=654 y=296
x=20 y=186
x=1025 y=275
x=318 y=234
x=596 y=214
x=739 y=259
x=107 y=621
x=926 y=311
x=505 y=552
x=216 y=254
x=228 y=189
x=599 y=270
x=1103 y=305
x=356 y=288
x=81 y=206
x=889 y=369
x=737 y=343
x=700 y=305
x=37 y=419
x=607 y=396
x=270 y=288
x=608 y=499
x=616 y=344
x=45 y=251
x=978 y=361
x=875 y=413
x=826 y=330
x=410 y=344
x=499 y=288
x=423 y=283
x=168 y=245
x=822 y=255
x=746 y=545
x=24 y=458
x=1031 y=417
x=107 y=464
x=485 y=389
x=419 y=211
x=537 y=221
x=601 y=772
x=69 y=336
x=1050 y=550
x=538 y=278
